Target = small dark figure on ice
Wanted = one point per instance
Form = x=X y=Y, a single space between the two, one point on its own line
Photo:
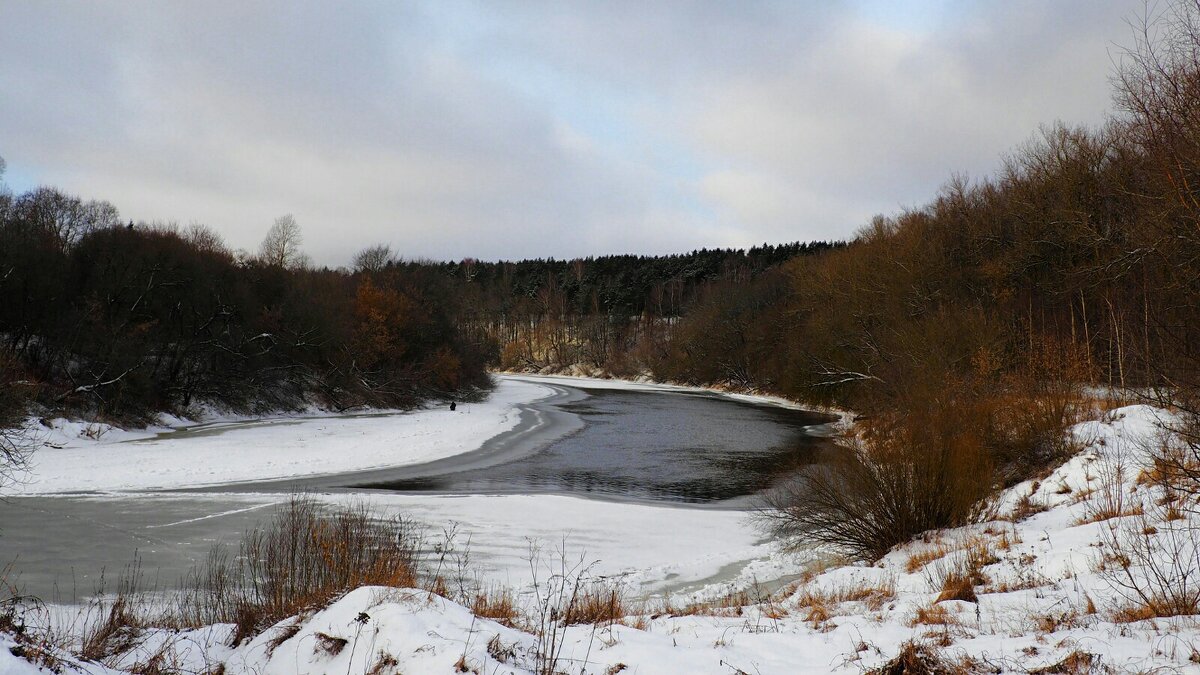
x=452 y=406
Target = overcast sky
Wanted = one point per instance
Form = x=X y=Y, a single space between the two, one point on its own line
x=529 y=129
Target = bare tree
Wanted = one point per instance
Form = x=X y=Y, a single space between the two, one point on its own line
x=281 y=246
x=205 y=238
x=17 y=440
x=68 y=219
x=374 y=258
x=16 y=445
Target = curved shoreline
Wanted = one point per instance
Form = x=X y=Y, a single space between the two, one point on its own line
x=540 y=423
x=543 y=421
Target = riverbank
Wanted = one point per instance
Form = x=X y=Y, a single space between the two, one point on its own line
x=601 y=379
x=78 y=457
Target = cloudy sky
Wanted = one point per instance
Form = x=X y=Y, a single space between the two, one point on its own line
x=501 y=129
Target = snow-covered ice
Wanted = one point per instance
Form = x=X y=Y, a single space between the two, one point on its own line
x=81 y=457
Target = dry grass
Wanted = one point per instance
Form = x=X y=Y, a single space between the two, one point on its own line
x=1054 y=622
x=917 y=658
x=329 y=645
x=818 y=606
x=32 y=645
x=499 y=651
x=1026 y=507
x=955 y=570
x=957 y=587
x=496 y=603
x=283 y=634
x=1027 y=580
x=302 y=559
x=733 y=603
x=922 y=558
x=1075 y=663
x=385 y=664
x=934 y=615
x=875 y=596
x=597 y=604
x=1101 y=514
x=116 y=633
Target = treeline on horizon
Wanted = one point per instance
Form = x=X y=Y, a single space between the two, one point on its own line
x=122 y=321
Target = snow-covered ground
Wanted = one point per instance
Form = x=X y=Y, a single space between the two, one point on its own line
x=1047 y=581
x=81 y=457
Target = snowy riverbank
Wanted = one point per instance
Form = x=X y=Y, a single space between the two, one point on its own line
x=80 y=457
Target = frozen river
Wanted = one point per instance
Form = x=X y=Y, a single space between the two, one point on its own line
x=652 y=482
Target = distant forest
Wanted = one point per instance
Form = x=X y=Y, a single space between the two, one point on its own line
x=121 y=320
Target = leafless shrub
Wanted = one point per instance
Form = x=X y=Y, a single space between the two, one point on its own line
x=1110 y=499
x=1175 y=453
x=17 y=441
x=903 y=476
x=571 y=594
x=1154 y=567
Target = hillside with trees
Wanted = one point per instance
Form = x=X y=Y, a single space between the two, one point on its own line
x=964 y=333
x=123 y=321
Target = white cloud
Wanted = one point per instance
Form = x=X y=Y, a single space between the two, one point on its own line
x=474 y=129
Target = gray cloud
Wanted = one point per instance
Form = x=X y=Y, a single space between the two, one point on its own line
x=454 y=129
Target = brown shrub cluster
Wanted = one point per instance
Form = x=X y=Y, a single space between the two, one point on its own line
x=302 y=559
